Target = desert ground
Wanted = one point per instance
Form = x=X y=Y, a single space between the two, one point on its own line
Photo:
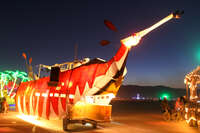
x=127 y=117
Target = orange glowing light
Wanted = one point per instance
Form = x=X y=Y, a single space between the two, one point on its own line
x=131 y=41
x=135 y=39
x=146 y=31
x=177 y=16
x=55 y=125
x=31 y=119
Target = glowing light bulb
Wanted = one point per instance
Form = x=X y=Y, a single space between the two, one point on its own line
x=131 y=41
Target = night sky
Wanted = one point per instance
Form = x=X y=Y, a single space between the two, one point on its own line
x=47 y=31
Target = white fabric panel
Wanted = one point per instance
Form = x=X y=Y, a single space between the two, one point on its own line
x=19 y=105
x=86 y=89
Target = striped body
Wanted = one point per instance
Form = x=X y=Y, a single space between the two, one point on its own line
x=94 y=78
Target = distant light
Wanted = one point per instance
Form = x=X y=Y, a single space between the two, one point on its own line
x=138 y=96
x=165 y=95
x=198 y=55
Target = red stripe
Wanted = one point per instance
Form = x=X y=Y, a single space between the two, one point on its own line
x=34 y=103
x=40 y=106
x=78 y=77
x=120 y=52
x=54 y=100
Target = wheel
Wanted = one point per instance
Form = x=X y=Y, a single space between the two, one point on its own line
x=83 y=122
x=94 y=125
x=92 y=122
x=192 y=123
x=65 y=124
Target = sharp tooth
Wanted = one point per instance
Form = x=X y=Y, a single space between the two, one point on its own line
x=77 y=96
x=86 y=89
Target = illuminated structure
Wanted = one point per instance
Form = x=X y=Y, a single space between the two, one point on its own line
x=8 y=81
x=80 y=90
x=192 y=80
x=192 y=109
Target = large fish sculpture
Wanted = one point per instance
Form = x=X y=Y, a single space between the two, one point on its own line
x=95 y=78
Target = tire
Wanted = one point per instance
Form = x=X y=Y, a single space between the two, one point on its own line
x=193 y=123
x=94 y=125
x=65 y=124
x=83 y=122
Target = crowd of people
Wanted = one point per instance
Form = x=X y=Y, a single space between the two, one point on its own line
x=177 y=112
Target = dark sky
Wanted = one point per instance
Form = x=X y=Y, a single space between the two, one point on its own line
x=48 y=31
